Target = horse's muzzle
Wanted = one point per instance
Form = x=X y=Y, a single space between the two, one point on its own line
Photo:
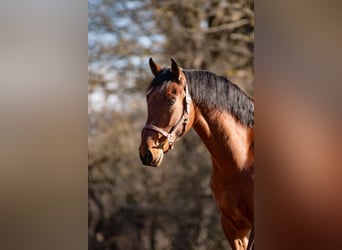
x=147 y=158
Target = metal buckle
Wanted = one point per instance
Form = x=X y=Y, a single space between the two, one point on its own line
x=188 y=99
x=170 y=139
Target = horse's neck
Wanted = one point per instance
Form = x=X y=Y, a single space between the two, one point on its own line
x=229 y=142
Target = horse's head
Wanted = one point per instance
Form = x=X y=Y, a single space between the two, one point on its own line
x=170 y=113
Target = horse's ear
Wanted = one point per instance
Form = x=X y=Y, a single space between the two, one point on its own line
x=155 y=68
x=176 y=71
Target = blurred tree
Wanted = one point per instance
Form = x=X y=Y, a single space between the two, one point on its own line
x=214 y=35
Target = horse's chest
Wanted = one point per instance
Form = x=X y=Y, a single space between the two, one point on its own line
x=233 y=197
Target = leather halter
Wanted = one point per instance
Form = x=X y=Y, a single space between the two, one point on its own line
x=183 y=120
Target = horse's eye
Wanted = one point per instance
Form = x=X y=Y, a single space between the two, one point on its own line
x=171 y=101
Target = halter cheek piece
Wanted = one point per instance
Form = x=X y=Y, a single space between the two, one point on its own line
x=184 y=119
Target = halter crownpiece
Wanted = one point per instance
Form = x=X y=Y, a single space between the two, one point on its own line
x=184 y=119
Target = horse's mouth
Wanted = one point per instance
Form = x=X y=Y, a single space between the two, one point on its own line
x=159 y=160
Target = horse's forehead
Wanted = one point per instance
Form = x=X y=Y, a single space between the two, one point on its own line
x=160 y=87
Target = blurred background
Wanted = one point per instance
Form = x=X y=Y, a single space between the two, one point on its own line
x=131 y=206
x=45 y=100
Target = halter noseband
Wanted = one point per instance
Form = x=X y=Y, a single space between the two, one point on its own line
x=184 y=119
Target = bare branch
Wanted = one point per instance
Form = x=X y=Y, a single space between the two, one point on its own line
x=227 y=26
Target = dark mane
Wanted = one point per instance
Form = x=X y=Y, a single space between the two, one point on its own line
x=208 y=89
x=212 y=91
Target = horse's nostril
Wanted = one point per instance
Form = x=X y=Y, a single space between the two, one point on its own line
x=147 y=158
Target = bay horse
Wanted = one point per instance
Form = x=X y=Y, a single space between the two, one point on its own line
x=223 y=117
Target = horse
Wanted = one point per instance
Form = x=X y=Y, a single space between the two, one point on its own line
x=223 y=117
